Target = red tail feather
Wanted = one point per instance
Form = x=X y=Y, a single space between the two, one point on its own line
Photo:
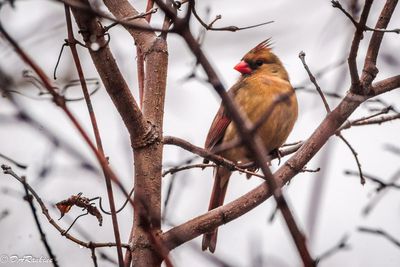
x=221 y=179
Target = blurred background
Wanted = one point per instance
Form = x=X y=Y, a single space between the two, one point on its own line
x=328 y=205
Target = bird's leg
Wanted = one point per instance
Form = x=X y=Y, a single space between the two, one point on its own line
x=276 y=153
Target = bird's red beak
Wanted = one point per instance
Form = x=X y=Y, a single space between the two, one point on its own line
x=243 y=67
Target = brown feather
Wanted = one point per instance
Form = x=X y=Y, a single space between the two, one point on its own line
x=254 y=94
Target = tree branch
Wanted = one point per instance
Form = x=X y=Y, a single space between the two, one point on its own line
x=46 y=213
x=370 y=70
x=74 y=51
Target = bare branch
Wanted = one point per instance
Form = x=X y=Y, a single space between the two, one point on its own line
x=139 y=16
x=227 y=28
x=353 y=151
x=381 y=184
x=45 y=212
x=18 y=164
x=302 y=57
x=336 y=4
x=370 y=70
x=342 y=245
x=374 y=201
x=381 y=233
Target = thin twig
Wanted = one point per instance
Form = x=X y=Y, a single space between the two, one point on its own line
x=381 y=184
x=354 y=152
x=217 y=159
x=336 y=4
x=18 y=164
x=310 y=170
x=187 y=167
x=28 y=198
x=118 y=210
x=227 y=28
x=380 y=232
x=374 y=201
x=302 y=56
x=342 y=245
x=94 y=258
x=369 y=121
x=202 y=166
x=141 y=15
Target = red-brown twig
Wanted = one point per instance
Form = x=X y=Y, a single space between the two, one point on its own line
x=202 y=166
x=72 y=45
x=204 y=153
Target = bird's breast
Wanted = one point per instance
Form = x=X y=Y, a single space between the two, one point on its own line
x=255 y=99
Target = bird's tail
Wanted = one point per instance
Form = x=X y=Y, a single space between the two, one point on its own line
x=221 y=179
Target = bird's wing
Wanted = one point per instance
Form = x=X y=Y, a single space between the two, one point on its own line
x=217 y=129
x=221 y=120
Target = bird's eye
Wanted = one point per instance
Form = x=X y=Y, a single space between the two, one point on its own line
x=259 y=62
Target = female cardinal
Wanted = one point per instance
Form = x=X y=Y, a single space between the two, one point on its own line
x=263 y=80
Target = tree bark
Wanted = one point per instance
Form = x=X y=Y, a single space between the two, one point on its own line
x=145 y=128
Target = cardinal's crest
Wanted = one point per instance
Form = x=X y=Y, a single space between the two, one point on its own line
x=266 y=44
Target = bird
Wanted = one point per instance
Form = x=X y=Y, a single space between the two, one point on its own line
x=263 y=80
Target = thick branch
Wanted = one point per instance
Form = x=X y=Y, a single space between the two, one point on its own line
x=147 y=172
x=123 y=9
x=370 y=70
x=112 y=77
